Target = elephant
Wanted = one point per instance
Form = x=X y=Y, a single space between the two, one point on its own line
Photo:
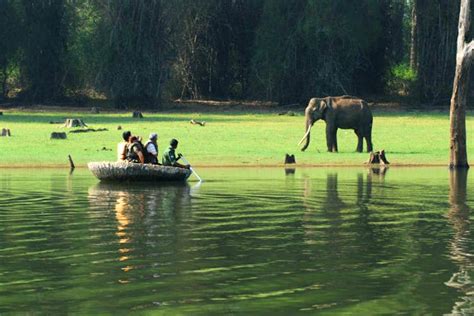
x=346 y=112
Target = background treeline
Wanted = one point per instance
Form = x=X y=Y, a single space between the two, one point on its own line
x=149 y=51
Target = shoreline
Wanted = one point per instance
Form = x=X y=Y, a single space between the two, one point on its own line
x=248 y=166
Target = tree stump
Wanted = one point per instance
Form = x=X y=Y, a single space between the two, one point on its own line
x=74 y=123
x=137 y=114
x=58 y=135
x=6 y=132
x=290 y=159
x=71 y=163
x=378 y=157
x=119 y=127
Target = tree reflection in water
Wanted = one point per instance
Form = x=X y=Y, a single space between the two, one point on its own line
x=459 y=248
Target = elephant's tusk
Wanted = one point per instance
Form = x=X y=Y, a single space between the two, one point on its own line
x=305 y=135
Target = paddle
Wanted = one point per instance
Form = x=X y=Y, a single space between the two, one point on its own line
x=191 y=168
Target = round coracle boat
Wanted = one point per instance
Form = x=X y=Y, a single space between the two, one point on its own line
x=127 y=171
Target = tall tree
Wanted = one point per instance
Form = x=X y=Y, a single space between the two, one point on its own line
x=325 y=47
x=434 y=41
x=413 y=36
x=44 y=48
x=9 y=41
x=132 y=50
x=464 y=57
x=278 y=59
x=213 y=45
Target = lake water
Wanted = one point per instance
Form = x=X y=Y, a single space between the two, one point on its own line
x=246 y=241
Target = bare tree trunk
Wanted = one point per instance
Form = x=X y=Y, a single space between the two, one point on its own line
x=414 y=37
x=458 y=151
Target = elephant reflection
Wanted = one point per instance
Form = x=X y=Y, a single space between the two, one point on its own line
x=332 y=204
x=460 y=250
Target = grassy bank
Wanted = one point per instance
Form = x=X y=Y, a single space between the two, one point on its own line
x=227 y=139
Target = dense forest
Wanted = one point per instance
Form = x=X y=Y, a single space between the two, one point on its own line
x=149 y=51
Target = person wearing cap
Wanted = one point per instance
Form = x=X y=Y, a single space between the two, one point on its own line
x=151 y=149
x=170 y=158
x=122 y=146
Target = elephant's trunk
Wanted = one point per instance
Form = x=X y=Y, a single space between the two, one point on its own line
x=306 y=136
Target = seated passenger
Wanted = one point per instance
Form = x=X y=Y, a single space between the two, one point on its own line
x=135 y=150
x=122 y=146
x=169 y=156
x=151 y=150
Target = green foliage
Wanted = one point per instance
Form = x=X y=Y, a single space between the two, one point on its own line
x=9 y=44
x=404 y=72
x=212 y=41
x=44 y=49
x=437 y=30
x=325 y=47
x=81 y=60
x=401 y=79
x=131 y=50
x=139 y=52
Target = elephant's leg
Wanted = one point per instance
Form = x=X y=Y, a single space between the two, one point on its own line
x=368 y=139
x=330 y=137
x=360 y=141
x=334 y=146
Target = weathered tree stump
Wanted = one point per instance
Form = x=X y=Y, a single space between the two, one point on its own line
x=119 y=127
x=94 y=110
x=137 y=114
x=290 y=159
x=378 y=157
x=58 y=135
x=71 y=163
x=74 y=123
x=194 y=122
x=6 y=132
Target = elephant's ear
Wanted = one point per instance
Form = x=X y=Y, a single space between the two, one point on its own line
x=323 y=106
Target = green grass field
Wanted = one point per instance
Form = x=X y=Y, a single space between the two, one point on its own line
x=227 y=139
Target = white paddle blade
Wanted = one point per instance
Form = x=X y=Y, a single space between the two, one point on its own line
x=195 y=173
x=305 y=135
x=191 y=168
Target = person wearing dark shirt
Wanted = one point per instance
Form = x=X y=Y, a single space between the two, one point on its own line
x=170 y=158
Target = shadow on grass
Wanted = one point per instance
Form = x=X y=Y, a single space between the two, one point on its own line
x=112 y=118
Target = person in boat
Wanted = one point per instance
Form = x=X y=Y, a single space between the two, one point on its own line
x=135 y=150
x=151 y=149
x=122 y=146
x=170 y=158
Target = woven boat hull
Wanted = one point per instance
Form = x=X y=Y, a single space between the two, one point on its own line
x=125 y=171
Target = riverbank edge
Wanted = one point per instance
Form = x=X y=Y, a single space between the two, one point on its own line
x=249 y=166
